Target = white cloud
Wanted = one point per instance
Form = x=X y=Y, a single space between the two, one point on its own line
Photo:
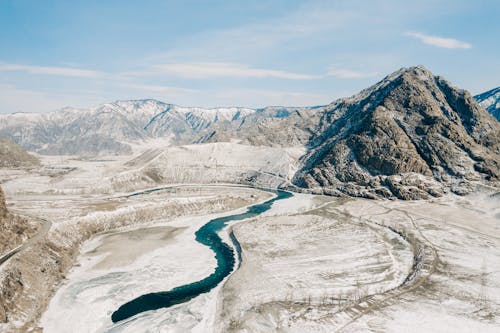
x=310 y=23
x=47 y=70
x=448 y=43
x=201 y=70
x=204 y=70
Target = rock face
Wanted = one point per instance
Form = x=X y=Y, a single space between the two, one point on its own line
x=12 y=155
x=490 y=100
x=410 y=136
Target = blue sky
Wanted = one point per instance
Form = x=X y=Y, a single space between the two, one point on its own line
x=246 y=53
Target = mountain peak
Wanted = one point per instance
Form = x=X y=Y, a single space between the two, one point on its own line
x=410 y=124
x=417 y=72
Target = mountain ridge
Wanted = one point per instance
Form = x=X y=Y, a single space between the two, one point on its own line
x=411 y=135
x=490 y=100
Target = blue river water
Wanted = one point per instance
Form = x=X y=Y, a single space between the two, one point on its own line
x=224 y=254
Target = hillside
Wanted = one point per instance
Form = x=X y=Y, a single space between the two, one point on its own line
x=12 y=155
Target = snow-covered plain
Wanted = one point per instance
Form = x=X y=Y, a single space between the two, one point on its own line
x=455 y=288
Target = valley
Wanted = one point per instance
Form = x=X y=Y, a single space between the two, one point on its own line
x=376 y=213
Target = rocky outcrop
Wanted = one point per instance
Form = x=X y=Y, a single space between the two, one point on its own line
x=14 y=156
x=412 y=125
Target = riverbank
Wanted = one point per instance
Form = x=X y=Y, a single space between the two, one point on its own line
x=54 y=256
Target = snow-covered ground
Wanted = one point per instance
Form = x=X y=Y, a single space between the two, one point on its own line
x=103 y=279
x=330 y=271
x=156 y=164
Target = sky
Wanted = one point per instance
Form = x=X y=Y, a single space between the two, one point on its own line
x=235 y=53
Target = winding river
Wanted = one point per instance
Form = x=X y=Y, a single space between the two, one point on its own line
x=224 y=254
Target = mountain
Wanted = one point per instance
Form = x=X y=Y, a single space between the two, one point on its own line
x=12 y=155
x=271 y=126
x=111 y=128
x=412 y=135
x=104 y=129
x=490 y=100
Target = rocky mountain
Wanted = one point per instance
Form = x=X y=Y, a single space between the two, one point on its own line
x=410 y=136
x=490 y=100
x=103 y=129
x=12 y=155
x=112 y=128
x=271 y=126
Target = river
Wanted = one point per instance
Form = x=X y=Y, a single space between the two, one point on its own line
x=224 y=255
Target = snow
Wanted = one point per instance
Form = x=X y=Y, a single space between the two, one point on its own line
x=90 y=295
x=310 y=264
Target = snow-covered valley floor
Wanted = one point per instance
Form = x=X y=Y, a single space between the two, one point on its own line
x=310 y=264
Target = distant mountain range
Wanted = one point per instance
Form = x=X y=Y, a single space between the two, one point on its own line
x=490 y=100
x=411 y=135
x=111 y=128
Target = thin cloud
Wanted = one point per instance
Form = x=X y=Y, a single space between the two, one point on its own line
x=160 y=89
x=448 y=43
x=349 y=74
x=48 y=70
x=14 y=99
x=202 y=70
x=257 y=98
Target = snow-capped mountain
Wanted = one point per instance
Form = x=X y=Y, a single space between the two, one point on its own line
x=410 y=135
x=490 y=100
x=111 y=127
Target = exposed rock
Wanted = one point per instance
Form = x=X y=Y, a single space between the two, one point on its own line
x=410 y=122
x=12 y=155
